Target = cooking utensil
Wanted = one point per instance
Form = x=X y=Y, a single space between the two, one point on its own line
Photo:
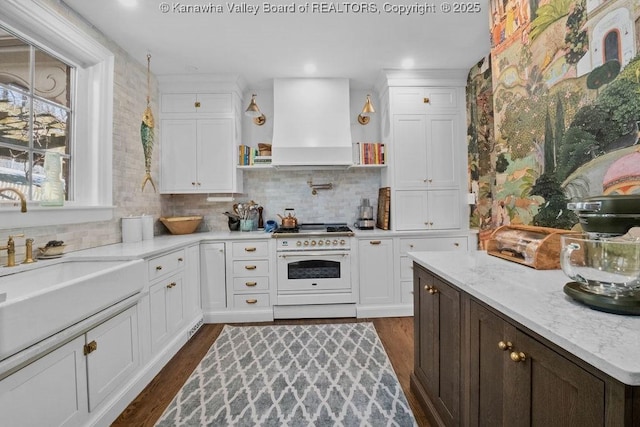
x=288 y=221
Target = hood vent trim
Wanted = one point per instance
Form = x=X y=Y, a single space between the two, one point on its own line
x=311 y=127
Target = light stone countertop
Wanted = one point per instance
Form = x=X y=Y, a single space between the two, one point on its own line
x=536 y=300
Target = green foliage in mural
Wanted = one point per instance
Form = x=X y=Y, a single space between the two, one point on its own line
x=560 y=126
x=578 y=147
x=549 y=160
x=515 y=192
x=554 y=212
x=603 y=74
x=576 y=39
x=548 y=14
x=502 y=163
x=621 y=98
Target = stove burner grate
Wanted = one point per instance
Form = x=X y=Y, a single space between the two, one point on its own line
x=338 y=229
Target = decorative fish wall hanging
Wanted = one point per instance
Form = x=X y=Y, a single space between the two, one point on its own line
x=147 y=134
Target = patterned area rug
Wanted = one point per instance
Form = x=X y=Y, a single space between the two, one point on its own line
x=292 y=375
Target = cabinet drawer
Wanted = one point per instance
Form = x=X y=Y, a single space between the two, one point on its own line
x=249 y=301
x=433 y=244
x=251 y=268
x=165 y=264
x=250 y=249
x=250 y=283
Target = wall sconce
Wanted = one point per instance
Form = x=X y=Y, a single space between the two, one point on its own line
x=363 y=118
x=254 y=112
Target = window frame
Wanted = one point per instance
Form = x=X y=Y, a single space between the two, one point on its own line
x=44 y=27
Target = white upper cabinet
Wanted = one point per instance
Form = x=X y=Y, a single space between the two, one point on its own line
x=420 y=100
x=199 y=136
x=197 y=103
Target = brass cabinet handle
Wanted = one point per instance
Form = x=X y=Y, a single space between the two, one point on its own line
x=375 y=242
x=158 y=267
x=193 y=183
x=505 y=345
x=518 y=356
x=196 y=104
x=180 y=259
x=171 y=285
x=426 y=100
x=251 y=284
x=250 y=249
x=456 y=244
x=251 y=301
x=430 y=289
x=250 y=267
x=90 y=347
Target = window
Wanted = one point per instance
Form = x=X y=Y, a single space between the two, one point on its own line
x=612 y=46
x=35 y=113
x=84 y=109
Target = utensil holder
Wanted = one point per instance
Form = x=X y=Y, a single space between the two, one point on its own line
x=246 y=225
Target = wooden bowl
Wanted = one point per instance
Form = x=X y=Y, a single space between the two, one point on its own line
x=181 y=224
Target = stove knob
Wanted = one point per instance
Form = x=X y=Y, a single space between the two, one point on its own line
x=342 y=242
x=306 y=243
x=335 y=242
x=298 y=243
x=313 y=243
x=320 y=243
x=327 y=242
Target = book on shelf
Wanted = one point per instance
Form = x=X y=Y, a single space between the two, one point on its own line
x=246 y=155
x=369 y=153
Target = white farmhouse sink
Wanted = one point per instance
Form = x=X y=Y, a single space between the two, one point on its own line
x=46 y=299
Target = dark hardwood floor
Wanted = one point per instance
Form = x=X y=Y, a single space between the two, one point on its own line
x=396 y=335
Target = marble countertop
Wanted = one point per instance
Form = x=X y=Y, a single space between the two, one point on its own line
x=536 y=300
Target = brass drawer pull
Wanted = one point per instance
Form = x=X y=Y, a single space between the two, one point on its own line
x=196 y=104
x=518 y=356
x=250 y=267
x=180 y=259
x=374 y=242
x=251 y=284
x=456 y=244
x=90 y=348
x=171 y=285
x=505 y=345
x=250 y=249
x=158 y=267
x=251 y=301
x=430 y=289
x=426 y=100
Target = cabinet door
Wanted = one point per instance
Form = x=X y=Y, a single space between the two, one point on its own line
x=437 y=343
x=408 y=100
x=115 y=357
x=410 y=210
x=192 y=305
x=51 y=391
x=441 y=150
x=178 y=103
x=178 y=159
x=410 y=151
x=549 y=390
x=165 y=310
x=212 y=267
x=490 y=343
x=375 y=260
x=215 y=155
x=443 y=209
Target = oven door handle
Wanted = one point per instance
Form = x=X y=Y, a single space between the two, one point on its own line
x=313 y=254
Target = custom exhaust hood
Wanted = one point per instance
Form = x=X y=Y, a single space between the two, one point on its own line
x=311 y=127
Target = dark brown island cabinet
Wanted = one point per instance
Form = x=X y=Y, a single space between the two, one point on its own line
x=476 y=367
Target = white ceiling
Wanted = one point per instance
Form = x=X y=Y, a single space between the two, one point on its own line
x=270 y=45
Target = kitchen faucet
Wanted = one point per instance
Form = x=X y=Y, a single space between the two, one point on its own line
x=11 y=250
x=23 y=199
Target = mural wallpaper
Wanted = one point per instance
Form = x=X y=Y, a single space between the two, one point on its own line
x=554 y=111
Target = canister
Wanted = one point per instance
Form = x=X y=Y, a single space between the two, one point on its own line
x=131 y=229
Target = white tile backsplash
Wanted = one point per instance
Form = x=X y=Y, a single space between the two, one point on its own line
x=276 y=190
